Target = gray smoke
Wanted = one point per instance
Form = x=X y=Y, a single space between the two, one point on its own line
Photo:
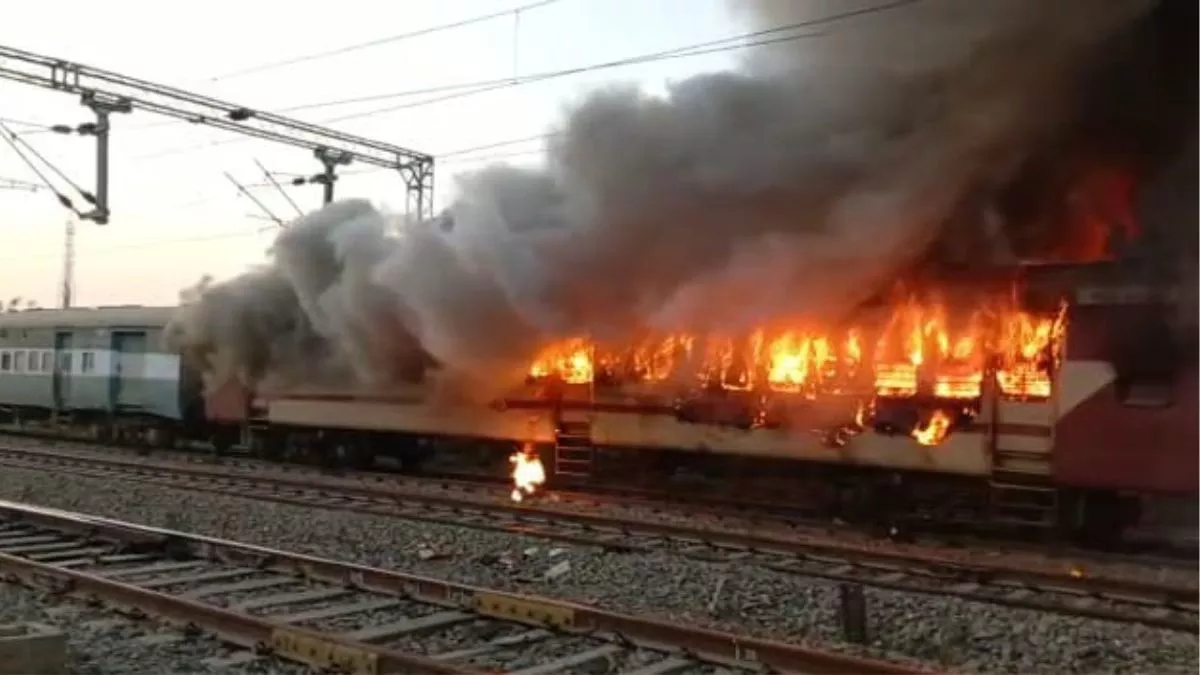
x=794 y=188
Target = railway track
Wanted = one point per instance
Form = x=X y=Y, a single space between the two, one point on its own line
x=1064 y=590
x=353 y=619
x=737 y=511
x=1143 y=549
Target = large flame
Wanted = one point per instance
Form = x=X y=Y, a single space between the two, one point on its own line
x=917 y=344
x=920 y=349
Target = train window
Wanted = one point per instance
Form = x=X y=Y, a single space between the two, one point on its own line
x=5 y=361
x=19 y=361
x=46 y=356
x=88 y=363
x=65 y=362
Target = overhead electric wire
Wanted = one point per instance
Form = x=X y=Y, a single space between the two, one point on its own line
x=695 y=49
x=450 y=157
x=16 y=184
x=11 y=138
x=516 y=82
x=464 y=89
x=279 y=188
x=257 y=202
x=420 y=32
x=67 y=179
x=479 y=87
x=157 y=242
x=33 y=126
x=475 y=88
x=497 y=144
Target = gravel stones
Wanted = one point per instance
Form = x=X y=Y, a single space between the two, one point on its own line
x=743 y=598
x=102 y=642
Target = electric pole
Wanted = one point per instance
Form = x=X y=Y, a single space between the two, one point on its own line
x=67 y=292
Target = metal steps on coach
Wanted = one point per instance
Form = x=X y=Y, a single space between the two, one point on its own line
x=574 y=451
x=1022 y=489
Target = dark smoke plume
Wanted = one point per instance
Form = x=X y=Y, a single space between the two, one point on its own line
x=792 y=189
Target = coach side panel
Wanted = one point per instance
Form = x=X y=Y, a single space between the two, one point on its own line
x=26 y=362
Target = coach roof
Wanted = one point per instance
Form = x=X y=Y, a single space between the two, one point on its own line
x=123 y=316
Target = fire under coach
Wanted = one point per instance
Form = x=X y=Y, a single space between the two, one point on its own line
x=1036 y=407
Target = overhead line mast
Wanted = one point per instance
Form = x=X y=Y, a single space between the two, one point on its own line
x=106 y=92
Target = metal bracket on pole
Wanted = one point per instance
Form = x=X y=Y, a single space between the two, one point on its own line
x=330 y=159
x=103 y=107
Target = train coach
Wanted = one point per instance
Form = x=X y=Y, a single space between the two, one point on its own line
x=1099 y=439
x=97 y=370
x=1108 y=432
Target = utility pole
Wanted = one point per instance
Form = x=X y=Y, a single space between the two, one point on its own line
x=330 y=160
x=103 y=107
x=67 y=292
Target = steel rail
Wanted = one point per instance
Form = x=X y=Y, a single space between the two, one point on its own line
x=1075 y=577
x=758 y=512
x=1156 y=605
x=324 y=650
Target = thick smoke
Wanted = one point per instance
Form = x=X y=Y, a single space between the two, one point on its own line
x=792 y=189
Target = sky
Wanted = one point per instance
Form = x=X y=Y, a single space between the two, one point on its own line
x=175 y=214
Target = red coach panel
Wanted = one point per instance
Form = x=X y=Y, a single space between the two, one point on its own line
x=1104 y=443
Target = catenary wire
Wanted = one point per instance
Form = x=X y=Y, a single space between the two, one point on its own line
x=223 y=235
x=541 y=77
x=700 y=48
x=472 y=89
x=237 y=234
x=453 y=158
x=11 y=139
x=420 y=32
x=57 y=171
x=462 y=90
x=32 y=126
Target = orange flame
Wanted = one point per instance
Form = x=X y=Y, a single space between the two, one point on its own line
x=528 y=474
x=1025 y=344
x=570 y=360
x=935 y=430
x=918 y=349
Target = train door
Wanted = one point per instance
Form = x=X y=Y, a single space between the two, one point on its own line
x=62 y=370
x=128 y=361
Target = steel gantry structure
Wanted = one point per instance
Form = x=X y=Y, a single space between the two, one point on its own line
x=106 y=93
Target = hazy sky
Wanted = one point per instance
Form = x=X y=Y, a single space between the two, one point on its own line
x=176 y=216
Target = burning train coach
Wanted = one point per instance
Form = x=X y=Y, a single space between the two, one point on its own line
x=1007 y=407
x=1034 y=407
